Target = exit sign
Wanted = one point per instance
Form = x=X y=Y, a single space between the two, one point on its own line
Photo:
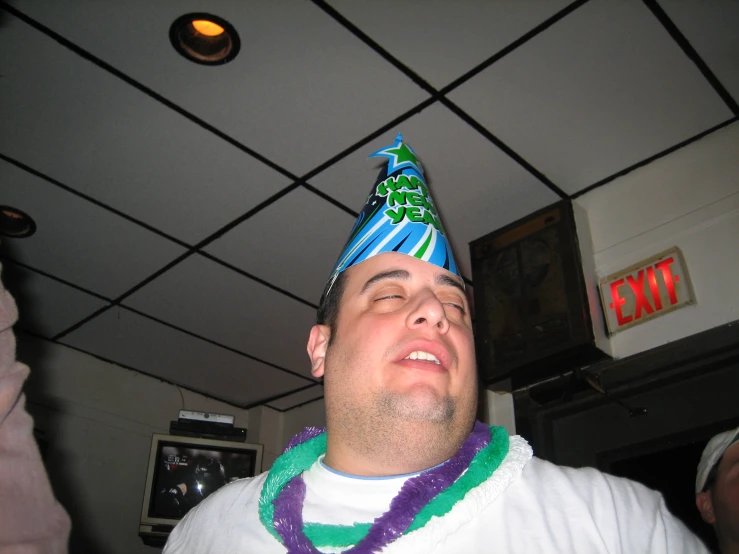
x=646 y=290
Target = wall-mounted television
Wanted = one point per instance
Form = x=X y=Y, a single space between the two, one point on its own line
x=183 y=471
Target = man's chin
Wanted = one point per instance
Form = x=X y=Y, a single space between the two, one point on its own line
x=422 y=404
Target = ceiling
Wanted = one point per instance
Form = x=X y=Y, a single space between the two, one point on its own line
x=188 y=215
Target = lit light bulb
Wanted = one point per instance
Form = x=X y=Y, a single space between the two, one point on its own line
x=207 y=28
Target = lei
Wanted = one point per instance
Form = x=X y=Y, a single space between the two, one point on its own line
x=431 y=493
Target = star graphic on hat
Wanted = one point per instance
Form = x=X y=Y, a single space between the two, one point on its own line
x=399 y=155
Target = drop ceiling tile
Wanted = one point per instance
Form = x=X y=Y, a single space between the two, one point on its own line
x=215 y=302
x=711 y=28
x=127 y=338
x=45 y=306
x=292 y=244
x=82 y=126
x=604 y=88
x=78 y=241
x=287 y=402
x=476 y=187
x=301 y=89
x=446 y=39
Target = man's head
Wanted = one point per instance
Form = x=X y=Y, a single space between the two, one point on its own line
x=398 y=362
x=393 y=339
x=717 y=486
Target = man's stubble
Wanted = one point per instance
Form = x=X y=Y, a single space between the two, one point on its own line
x=417 y=426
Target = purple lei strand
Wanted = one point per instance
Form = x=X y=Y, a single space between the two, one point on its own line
x=288 y=518
x=304 y=436
x=415 y=493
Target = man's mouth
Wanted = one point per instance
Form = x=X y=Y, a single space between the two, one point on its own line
x=421 y=355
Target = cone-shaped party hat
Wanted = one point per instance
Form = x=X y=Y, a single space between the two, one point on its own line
x=399 y=216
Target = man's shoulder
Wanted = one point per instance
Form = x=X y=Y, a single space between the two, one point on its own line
x=241 y=492
x=245 y=485
x=600 y=492
x=539 y=469
x=618 y=514
x=579 y=478
x=205 y=527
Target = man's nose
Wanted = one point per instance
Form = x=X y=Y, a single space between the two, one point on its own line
x=428 y=310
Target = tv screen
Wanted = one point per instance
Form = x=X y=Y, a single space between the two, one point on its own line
x=184 y=471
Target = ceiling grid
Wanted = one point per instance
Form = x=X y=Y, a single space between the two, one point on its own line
x=182 y=233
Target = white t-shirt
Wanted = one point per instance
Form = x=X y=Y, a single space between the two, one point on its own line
x=537 y=508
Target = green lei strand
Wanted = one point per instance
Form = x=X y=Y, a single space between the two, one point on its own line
x=323 y=534
x=482 y=466
x=300 y=458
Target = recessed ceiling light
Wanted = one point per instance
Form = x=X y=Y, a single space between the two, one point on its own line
x=204 y=38
x=15 y=223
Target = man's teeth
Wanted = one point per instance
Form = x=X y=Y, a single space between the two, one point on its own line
x=421 y=355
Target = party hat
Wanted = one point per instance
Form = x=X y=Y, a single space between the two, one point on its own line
x=399 y=216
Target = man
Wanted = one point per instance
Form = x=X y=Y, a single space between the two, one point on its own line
x=402 y=466
x=717 y=488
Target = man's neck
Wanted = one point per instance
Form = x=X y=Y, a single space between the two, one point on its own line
x=379 y=454
x=371 y=473
x=363 y=467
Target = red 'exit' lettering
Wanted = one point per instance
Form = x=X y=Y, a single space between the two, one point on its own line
x=642 y=305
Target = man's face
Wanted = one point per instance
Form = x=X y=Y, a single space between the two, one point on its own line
x=721 y=507
x=402 y=346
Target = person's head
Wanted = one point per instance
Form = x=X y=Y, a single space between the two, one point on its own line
x=393 y=339
x=717 y=487
x=397 y=358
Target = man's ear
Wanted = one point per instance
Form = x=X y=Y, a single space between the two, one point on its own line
x=704 y=501
x=317 y=345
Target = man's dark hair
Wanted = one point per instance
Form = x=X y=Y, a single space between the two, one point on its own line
x=711 y=478
x=328 y=307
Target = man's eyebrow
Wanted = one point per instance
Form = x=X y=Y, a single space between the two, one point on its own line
x=394 y=274
x=446 y=280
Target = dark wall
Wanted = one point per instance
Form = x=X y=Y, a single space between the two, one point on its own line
x=672 y=410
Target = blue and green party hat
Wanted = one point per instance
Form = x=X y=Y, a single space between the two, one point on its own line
x=399 y=216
